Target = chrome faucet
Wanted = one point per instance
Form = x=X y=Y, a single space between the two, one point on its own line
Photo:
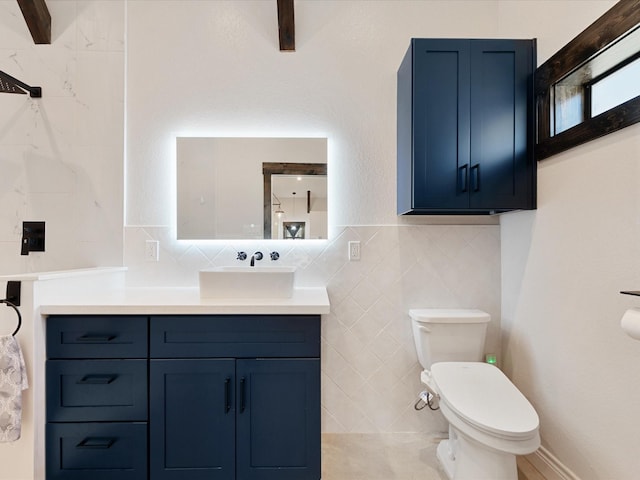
x=254 y=257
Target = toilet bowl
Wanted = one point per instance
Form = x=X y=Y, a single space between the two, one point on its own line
x=490 y=421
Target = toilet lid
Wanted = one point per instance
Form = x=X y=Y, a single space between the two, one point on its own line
x=484 y=397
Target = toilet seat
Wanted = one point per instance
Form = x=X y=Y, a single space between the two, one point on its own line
x=483 y=397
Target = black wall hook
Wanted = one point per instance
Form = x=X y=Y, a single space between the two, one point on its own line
x=13 y=300
x=9 y=304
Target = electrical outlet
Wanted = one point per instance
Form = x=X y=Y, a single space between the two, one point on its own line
x=152 y=251
x=354 y=250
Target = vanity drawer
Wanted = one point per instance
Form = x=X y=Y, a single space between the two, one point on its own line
x=96 y=451
x=96 y=336
x=96 y=390
x=235 y=336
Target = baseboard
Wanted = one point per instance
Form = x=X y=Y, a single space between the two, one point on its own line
x=549 y=466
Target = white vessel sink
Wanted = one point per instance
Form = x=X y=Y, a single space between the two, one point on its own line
x=247 y=282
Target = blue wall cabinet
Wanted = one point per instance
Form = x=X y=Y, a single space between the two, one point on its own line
x=466 y=127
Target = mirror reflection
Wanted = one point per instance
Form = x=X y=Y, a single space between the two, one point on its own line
x=251 y=188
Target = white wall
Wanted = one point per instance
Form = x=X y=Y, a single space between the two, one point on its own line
x=61 y=156
x=563 y=267
x=215 y=69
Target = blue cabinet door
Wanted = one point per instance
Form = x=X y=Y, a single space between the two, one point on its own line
x=440 y=116
x=192 y=419
x=278 y=419
x=502 y=166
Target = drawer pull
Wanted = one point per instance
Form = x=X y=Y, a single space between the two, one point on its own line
x=96 y=442
x=96 y=337
x=97 y=379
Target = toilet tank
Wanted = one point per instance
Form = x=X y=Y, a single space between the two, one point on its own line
x=449 y=335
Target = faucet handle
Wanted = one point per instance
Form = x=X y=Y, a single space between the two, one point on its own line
x=274 y=255
x=241 y=256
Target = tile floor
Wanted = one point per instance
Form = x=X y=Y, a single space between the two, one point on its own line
x=396 y=456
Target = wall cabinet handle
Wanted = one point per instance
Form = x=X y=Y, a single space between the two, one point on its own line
x=475 y=177
x=462 y=178
x=227 y=394
x=97 y=379
x=96 y=442
x=242 y=394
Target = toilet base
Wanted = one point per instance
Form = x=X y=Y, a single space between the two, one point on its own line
x=463 y=458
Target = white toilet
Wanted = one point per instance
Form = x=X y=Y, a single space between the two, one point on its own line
x=490 y=421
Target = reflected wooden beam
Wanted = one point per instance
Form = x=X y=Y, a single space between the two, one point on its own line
x=36 y=14
x=286 y=25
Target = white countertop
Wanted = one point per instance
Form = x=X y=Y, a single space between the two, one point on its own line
x=176 y=301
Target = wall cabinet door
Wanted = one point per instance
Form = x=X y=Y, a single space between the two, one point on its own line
x=278 y=419
x=192 y=419
x=465 y=127
x=502 y=167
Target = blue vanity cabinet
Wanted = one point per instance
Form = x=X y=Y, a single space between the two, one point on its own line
x=183 y=397
x=465 y=127
x=96 y=398
x=235 y=397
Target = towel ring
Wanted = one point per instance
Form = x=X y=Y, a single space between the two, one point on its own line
x=9 y=304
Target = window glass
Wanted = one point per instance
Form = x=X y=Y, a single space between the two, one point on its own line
x=570 y=92
x=615 y=89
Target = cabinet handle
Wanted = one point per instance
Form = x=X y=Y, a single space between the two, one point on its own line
x=242 y=394
x=227 y=394
x=97 y=379
x=96 y=442
x=462 y=178
x=475 y=177
x=96 y=337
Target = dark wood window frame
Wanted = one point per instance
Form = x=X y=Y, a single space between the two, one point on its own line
x=621 y=18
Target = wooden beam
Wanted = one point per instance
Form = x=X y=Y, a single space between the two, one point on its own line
x=286 y=25
x=36 y=14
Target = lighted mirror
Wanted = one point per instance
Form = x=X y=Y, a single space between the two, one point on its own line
x=234 y=188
